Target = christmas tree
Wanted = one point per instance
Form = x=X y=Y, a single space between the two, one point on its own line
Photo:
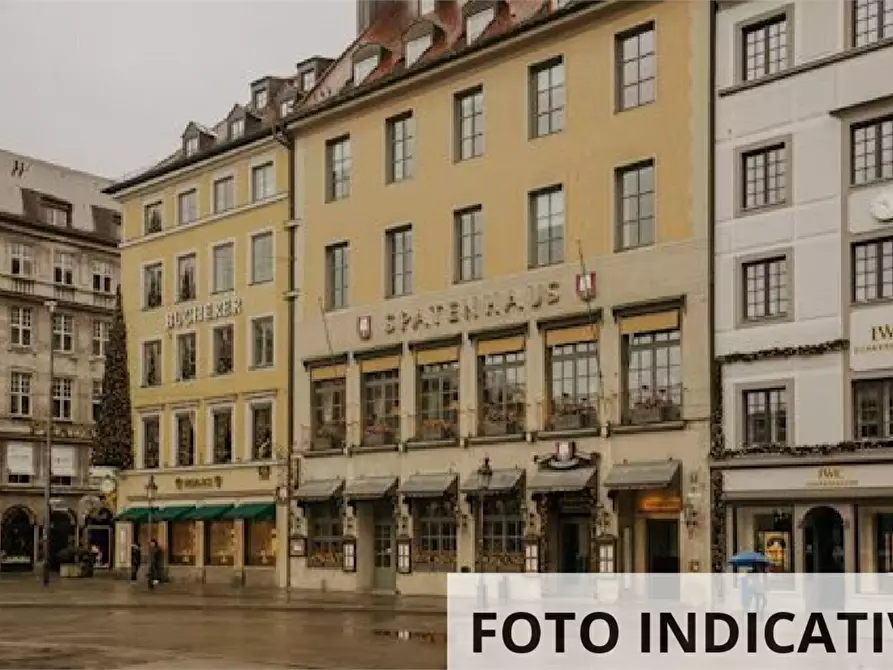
x=113 y=437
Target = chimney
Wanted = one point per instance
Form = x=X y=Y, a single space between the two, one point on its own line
x=369 y=10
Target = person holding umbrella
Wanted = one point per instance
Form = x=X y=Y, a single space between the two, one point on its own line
x=753 y=591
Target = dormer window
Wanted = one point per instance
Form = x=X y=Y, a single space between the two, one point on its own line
x=363 y=68
x=308 y=80
x=426 y=6
x=286 y=107
x=236 y=129
x=191 y=146
x=417 y=47
x=260 y=98
x=476 y=24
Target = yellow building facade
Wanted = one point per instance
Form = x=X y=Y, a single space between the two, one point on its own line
x=504 y=297
x=205 y=268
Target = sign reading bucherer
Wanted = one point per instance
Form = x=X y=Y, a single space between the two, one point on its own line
x=752 y=621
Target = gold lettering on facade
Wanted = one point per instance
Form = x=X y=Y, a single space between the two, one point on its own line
x=829 y=476
x=207 y=312
x=190 y=483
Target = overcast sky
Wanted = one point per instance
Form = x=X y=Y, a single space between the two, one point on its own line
x=108 y=86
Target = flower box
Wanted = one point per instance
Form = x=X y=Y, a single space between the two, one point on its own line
x=433 y=432
x=640 y=415
x=494 y=428
x=378 y=438
x=567 y=422
x=324 y=443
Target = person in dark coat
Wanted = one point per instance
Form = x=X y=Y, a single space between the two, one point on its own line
x=154 y=564
x=135 y=560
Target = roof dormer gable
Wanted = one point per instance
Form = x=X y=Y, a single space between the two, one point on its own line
x=418 y=40
x=366 y=60
x=239 y=121
x=479 y=15
x=196 y=138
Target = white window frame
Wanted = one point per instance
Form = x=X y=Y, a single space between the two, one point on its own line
x=286 y=107
x=65 y=392
x=364 y=68
x=211 y=410
x=213 y=360
x=65 y=330
x=106 y=272
x=144 y=288
x=417 y=48
x=64 y=263
x=178 y=340
x=19 y=392
x=140 y=459
x=269 y=181
x=193 y=191
x=21 y=324
x=144 y=367
x=251 y=280
x=180 y=258
x=236 y=128
x=251 y=342
x=95 y=400
x=231 y=178
x=427 y=6
x=253 y=402
x=212 y=279
x=176 y=413
x=305 y=76
x=101 y=330
x=191 y=146
x=24 y=254
x=261 y=98
x=476 y=24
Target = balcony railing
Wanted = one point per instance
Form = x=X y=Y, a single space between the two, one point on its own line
x=648 y=406
x=36 y=288
x=502 y=418
x=328 y=436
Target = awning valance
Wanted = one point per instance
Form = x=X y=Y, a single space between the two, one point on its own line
x=370 y=488
x=253 y=512
x=319 y=490
x=205 y=513
x=134 y=515
x=558 y=481
x=642 y=475
x=502 y=481
x=428 y=485
x=174 y=513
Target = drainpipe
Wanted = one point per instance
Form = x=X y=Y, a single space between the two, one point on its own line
x=711 y=246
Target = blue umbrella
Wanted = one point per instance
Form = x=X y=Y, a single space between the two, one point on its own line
x=748 y=558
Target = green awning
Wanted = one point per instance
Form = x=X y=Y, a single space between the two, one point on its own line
x=134 y=515
x=174 y=513
x=206 y=513
x=255 y=511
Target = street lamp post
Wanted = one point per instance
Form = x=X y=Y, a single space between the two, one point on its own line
x=485 y=475
x=151 y=490
x=48 y=474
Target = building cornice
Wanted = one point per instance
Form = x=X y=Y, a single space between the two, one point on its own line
x=23 y=225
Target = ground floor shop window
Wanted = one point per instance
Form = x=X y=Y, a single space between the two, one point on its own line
x=325 y=535
x=220 y=542
x=502 y=535
x=181 y=542
x=774 y=538
x=143 y=533
x=883 y=542
x=435 y=536
x=260 y=542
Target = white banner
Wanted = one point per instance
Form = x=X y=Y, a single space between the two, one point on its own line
x=20 y=458
x=63 y=462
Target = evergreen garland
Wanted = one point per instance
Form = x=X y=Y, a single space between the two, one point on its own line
x=112 y=444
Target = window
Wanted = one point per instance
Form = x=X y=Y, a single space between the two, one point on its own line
x=181 y=542
x=236 y=129
x=336 y=275
x=223 y=267
x=873 y=402
x=635 y=68
x=547 y=98
x=21 y=260
x=399 y=262
x=224 y=190
x=187 y=206
x=400 y=131
x=152 y=363
x=872 y=22
x=97 y=398
x=326 y=531
x=470 y=124
x=469 y=244
x=766 y=48
x=872 y=151
x=222 y=422
x=381 y=408
x=56 y=214
x=152 y=221
x=262 y=258
x=186 y=289
x=101 y=331
x=653 y=377
x=503 y=528
x=329 y=413
x=185 y=431
x=20 y=326
x=220 y=538
x=63 y=333
x=766 y=289
x=286 y=107
x=417 y=48
x=260 y=542
x=503 y=388
x=263 y=182
x=103 y=274
x=152 y=286
x=262 y=431
x=426 y=6
x=191 y=146
x=20 y=393
x=573 y=380
x=262 y=342
x=765 y=176
x=363 y=69
x=151 y=441
x=338 y=168
x=308 y=80
x=438 y=404
x=260 y=98
x=883 y=543
x=63 y=268
x=223 y=350
x=62 y=399
x=873 y=270
x=636 y=199
x=435 y=536
x=765 y=416
x=547 y=223
x=476 y=24
x=186 y=354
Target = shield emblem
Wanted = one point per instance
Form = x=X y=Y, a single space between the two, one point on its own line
x=586 y=286
x=364 y=327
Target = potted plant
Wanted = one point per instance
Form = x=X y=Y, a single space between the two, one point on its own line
x=328 y=436
x=435 y=429
x=570 y=415
x=654 y=408
x=378 y=434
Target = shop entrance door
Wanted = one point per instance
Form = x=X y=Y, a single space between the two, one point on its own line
x=573 y=540
x=384 y=577
x=662 y=556
x=823 y=540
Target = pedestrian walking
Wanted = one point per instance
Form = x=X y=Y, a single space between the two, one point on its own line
x=135 y=560
x=154 y=575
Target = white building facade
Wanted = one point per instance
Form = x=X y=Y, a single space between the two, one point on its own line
x=804 y=283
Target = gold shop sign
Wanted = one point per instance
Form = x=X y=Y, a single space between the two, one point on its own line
x=469 y=310
x=192 y=483
x=829 y=476
x=210 y=311
x=881 y=339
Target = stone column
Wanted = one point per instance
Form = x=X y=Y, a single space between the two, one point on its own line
x=468 y=391
x=537 y=392
x=354 y=411
x=408 y=409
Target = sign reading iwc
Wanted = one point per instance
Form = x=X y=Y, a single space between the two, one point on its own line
x=199 y=482
x=211 y=311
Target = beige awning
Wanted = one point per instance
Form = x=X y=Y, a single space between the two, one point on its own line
x=502 y=481
x=370 y=488
x=319 y=490
x=642 y=475
x=428 y=485
x=558 y=481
